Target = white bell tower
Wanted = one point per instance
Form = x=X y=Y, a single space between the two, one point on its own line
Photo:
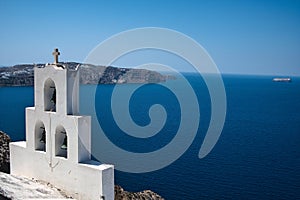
x=58 y=140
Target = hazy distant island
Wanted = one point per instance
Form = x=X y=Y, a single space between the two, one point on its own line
x=23 y=74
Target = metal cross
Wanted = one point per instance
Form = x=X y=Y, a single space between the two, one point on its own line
x=56 y=53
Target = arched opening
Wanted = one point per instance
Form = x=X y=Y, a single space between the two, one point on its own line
x=61 y=142
x=40 y=137
x=50 y=95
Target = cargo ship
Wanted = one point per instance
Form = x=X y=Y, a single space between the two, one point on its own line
x=282 y=79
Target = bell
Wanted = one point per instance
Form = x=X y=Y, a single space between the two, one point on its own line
x=53 y=99
x=64 y=146
x=43 y=138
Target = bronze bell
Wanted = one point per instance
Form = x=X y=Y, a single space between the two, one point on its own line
x=64 y=146
x=43 y=138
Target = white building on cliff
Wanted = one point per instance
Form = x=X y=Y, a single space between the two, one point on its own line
x=58 y=140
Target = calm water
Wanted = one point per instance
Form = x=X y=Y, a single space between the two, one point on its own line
x=256 y=157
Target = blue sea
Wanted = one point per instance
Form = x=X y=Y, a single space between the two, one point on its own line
x=256 y=157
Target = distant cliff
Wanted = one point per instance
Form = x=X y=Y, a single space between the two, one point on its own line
x=23 y=75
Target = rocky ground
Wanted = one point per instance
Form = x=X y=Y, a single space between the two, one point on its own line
x=17 y=188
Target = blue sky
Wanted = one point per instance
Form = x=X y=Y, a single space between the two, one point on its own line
x=249 y=37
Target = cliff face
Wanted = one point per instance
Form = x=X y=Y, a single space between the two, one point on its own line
x=113 y=75
x=4 y=152
x=23 y=75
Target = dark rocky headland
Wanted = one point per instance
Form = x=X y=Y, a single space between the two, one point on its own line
x=120 y=193
x=4 y=152
x=23 y=75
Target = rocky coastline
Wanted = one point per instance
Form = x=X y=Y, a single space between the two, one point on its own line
x=4 y=152
x=23 y=74
x=17 y=188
